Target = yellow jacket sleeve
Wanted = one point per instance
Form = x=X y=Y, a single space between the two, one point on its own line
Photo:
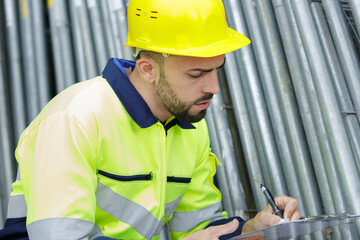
x=58 y=172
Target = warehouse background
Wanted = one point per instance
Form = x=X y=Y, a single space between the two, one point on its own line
x=287 y=116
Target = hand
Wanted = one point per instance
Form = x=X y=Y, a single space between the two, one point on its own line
x=214 y=232
x=266 y=217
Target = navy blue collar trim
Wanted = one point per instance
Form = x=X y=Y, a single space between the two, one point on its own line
x=134 y=104
x=184 y=125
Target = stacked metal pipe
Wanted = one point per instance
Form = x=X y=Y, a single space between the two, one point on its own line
x=287 y=117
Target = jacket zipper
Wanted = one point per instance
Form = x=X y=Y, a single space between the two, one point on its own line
x=140 y=177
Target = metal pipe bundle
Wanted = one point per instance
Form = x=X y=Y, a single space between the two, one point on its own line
x=317 y=161
x=15 y=73
x=7 y=164
x=344 y=155
x=251 y=154
x=227 y=155
x=28 y=54
x=254 y=96
x=355 y=8
x=61 y=44
x=313 y=118
x=98 y=35
x=339 y=80
x=345 y=49
x=82 y=42
x=40 y=51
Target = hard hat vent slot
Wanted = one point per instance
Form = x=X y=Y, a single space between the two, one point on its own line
x=138 y=10
x=154 y=14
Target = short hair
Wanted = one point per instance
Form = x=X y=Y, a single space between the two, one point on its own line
x=157 y=57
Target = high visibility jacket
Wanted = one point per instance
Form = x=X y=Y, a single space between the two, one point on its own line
x=97 y=162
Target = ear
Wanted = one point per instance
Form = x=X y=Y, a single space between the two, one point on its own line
x=147 y=68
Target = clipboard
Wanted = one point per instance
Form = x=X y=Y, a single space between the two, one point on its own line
x=293 y=229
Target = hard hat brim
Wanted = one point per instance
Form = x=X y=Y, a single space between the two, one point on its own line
x=234 y=41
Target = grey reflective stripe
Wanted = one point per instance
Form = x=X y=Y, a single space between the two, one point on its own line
x=96 y=232
x=17 y=207
x=186 y=221
x=127 y=211
x=158 y=228
x=171 y=206
x=63 y=229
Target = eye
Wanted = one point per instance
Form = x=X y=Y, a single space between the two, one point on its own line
x=195 y=75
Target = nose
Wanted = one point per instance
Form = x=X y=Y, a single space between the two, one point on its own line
x=211 y=83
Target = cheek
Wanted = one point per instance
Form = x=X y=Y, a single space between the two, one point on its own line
x=191 y=88
x=188 y=94
x=186 y=89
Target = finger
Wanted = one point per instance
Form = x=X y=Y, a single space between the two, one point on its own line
x=296 y=215
x=226 y=228
x=289 y=207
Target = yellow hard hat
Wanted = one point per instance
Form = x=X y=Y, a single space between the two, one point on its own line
x=182 y=27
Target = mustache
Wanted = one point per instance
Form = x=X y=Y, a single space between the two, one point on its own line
x=206 y=97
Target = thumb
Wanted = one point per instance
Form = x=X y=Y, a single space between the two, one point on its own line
x=227 y=228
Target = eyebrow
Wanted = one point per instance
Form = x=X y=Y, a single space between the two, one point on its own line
x=207 y=70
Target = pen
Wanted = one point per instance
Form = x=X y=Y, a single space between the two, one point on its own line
x=271 y=200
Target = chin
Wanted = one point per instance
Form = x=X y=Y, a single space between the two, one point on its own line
x=197 y=117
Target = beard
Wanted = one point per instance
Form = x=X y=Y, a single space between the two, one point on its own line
x=178 y=108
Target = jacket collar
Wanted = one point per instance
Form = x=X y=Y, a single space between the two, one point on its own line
x=134 y=104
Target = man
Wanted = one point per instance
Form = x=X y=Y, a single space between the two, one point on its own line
x=120 y=156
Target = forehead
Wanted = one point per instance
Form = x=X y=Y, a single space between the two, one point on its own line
x=188 y=63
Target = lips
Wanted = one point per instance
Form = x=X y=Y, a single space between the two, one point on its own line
x=204 y=101
x=203 y=105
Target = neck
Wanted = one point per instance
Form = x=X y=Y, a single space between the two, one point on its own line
x=148 y=93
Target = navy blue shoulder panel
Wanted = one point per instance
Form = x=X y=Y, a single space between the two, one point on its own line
x=227 y=220
x=14 y=229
